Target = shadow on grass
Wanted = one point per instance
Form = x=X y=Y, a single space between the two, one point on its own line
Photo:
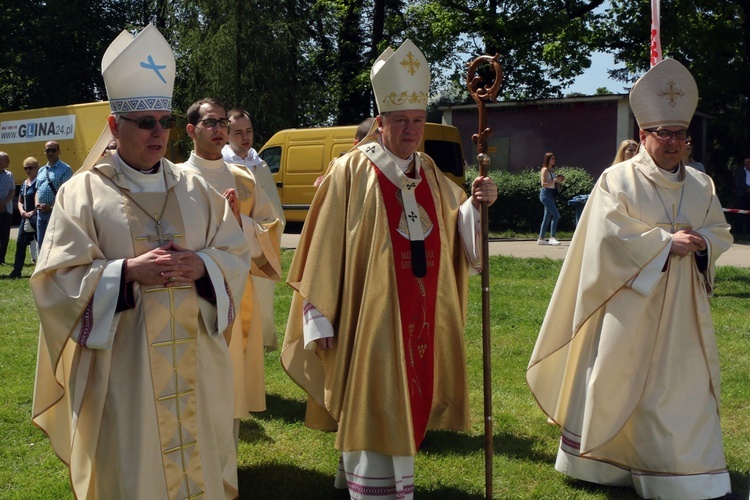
x=740 y=483
x=287 y=410
x=507 y=445
x=284 y=481
x=252 y=432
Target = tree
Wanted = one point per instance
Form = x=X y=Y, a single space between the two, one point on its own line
x=543 y=45
x=712 y=39
x=52 y=52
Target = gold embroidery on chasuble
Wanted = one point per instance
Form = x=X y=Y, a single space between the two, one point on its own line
x=171 y=329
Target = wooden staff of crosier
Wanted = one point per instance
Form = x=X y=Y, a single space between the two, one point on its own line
x=481 y=93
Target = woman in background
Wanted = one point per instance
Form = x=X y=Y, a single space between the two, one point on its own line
x=547 y=194
x=27 y=209
x=687 y=156
x=628 y=148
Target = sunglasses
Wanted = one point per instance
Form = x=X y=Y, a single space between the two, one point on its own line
x=28 y=168
x=50 y=150
x=149 y=122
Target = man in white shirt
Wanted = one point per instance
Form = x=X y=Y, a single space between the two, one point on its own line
x=240 y=151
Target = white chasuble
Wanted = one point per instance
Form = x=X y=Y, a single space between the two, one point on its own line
x=626 y=360
x=151 y=417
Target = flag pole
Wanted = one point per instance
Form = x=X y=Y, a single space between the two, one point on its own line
x=655 y=49
x=481 y=93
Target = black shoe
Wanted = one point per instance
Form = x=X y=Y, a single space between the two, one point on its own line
x=14 y=275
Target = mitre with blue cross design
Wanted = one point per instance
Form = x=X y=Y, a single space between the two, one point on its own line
x=401 y=79
x=139 y=72
x=666 y=96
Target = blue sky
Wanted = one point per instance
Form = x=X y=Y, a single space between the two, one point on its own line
x=596 y=76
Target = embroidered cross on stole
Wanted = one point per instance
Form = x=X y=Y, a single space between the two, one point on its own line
x=171 y=329
x=407 y=187
x=411 y=212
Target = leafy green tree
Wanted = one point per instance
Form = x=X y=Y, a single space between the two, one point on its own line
x=712 y=39
x=52 y=51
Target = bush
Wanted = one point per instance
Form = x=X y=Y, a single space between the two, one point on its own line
x=518 y=207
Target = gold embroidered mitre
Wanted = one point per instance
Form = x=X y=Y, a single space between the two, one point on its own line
x=401 y=79
x=665 y=96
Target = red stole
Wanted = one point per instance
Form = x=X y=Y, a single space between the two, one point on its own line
x=416 y=297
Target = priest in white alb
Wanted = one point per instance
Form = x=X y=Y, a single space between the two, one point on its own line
x=140 y=282
x=375 y=330
x=626 y=362
x=207 y=126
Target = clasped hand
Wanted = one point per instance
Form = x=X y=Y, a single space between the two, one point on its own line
x=168 y=265
x=687 y=241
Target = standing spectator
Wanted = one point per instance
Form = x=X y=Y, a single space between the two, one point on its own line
x=549 y=191
x=687 y=156
x=7 y=192
x=742 y=196
x=626 y=362
x=375 y=331
x=27 y=228
x=51 y=177
x=240 y=151
x=628 y=148
x=137 y=289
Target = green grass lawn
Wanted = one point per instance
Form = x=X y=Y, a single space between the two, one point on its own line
x=279 y=458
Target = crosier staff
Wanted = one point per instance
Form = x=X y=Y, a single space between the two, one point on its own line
x=481 y=93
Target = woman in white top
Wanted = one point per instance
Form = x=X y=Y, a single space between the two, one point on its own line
x=550 y=183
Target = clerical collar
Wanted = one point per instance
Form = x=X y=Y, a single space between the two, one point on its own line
x=199 y=162
x=402 y=164
x=152 y=170
x=140 y=182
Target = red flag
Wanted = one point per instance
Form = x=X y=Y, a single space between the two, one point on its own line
x=655 y=32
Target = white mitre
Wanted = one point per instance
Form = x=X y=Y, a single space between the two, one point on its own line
x=139 y=72
x=665 y=96
x=401 y=79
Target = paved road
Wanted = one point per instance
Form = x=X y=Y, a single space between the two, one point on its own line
x=737 y=256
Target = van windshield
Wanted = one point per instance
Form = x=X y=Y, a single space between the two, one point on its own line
x=447 y=156
x=272 y=156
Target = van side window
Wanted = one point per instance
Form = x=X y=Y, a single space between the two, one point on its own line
x=272 y=156
x=447 y=156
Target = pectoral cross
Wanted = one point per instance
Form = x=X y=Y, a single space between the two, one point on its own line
x=160 y=236
x=672 y=226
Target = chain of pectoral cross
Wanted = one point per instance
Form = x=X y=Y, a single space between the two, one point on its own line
x=673 y=226
x=157 y=218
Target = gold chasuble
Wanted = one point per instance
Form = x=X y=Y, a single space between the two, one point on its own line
x=399 y=348
x=626 y=361
x=149 y=414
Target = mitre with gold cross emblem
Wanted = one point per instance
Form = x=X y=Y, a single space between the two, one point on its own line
x=401 y=79
x=666 y=96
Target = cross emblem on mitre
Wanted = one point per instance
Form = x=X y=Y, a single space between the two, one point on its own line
x=152 y=65
x=410 y=63
x=672 y=93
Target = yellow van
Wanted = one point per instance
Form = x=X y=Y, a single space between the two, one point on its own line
x=76 y=127
x=297 y=157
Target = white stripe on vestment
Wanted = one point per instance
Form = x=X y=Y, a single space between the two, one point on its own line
x=367 y=474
